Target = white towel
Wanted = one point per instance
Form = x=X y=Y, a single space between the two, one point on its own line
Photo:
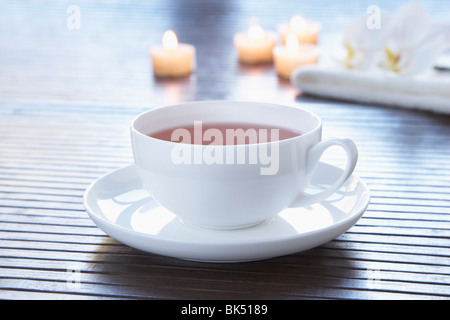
x=429 y=91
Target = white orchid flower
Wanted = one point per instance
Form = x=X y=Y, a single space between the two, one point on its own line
x=412 y=44
x=362 y=43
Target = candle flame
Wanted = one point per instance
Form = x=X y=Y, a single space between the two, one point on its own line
x=298 y=24
x=256 y=33
x=292 y=43
x=170 y=41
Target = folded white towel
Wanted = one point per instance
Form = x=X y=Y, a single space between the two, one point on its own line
x=429 y=91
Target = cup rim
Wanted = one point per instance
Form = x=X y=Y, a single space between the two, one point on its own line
x=300 y=137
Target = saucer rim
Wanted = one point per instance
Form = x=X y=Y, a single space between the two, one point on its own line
x=352 y=219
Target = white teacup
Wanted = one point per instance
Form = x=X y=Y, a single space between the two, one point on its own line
x=234 y=193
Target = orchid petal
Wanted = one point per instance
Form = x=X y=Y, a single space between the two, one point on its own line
x=412 y=44
x=363 y=43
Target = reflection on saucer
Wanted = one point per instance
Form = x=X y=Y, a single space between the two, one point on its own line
x=307 y=220
x=136 y=210
x=151 y=221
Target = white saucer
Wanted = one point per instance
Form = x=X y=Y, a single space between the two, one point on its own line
x=119 y=206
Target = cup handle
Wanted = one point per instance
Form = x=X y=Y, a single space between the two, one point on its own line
x=313 y=157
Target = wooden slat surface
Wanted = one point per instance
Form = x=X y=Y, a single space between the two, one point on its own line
x=66 y=100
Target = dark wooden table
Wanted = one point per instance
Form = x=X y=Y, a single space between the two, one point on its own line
x=67 y=97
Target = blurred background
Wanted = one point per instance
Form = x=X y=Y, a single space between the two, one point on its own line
x=68 y=94
x=106 y=60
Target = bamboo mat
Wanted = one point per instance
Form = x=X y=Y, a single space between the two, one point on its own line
x=65 y=108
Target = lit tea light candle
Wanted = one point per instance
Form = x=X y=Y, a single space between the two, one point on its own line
x=305 y=31
x=255 y=45
x=172 y=59
x=293 y=55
